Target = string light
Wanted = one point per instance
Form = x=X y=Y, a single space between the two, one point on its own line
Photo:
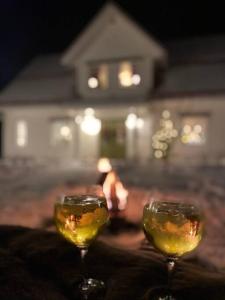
x=163 y=138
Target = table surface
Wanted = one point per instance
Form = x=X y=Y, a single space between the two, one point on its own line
x=38 y=264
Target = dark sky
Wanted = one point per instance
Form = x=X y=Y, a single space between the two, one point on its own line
x=31 y=27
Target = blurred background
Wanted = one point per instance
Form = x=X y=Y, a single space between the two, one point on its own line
x=141 y=84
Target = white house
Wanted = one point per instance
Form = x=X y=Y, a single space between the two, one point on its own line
x=104 y=96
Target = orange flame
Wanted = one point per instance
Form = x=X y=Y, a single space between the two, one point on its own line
x=122 y=195
x=115 y=193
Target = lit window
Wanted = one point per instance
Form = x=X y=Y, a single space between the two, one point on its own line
x=61 y=132
x=98 y=77
x=194 y=130
x=21 y=133
x=127 y=75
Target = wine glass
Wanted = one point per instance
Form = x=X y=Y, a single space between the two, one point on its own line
x=80 y=218
x=174 y=229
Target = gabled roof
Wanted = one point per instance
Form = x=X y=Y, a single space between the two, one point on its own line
x=109 y=13
x=196 y=66
x=44 y=81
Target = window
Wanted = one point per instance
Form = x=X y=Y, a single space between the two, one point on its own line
x=127 y=75
x=61 y=132
x=21 y=133
x=98 y=77
x=194 y=130
x=123 y=73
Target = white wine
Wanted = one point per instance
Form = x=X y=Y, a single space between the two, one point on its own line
x=80 y=218
x=173 y=228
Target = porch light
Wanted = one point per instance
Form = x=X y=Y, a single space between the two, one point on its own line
x=133 y=122
x=93 y=82
x=90 y=124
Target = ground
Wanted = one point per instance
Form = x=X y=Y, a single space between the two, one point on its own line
x=29 y=190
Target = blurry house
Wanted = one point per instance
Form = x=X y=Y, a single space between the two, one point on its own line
x=104 y=96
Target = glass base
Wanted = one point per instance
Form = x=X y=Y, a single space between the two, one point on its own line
x=92 y=288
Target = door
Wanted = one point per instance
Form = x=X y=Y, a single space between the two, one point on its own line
x=113 y=137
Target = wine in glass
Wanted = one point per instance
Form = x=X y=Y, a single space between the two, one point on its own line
x=174 y=229
x=80 y=218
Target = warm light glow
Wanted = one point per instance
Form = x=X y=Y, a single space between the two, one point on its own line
x=198 y=128
x=93 y=82
x=164 y=136
x=90 y=125
x=136 y=79
x=168 y=124
x=174 y=133
x=166 y=114
x=115 y=191
x=140 y=123
x=21 y=133
x=125 y=74
x=61 y=132
x=98 y=77
x=89 y=111
x=187 y=129
x=192 y=133
x=65 y=131
x=107 y=186
x=78 y=119
x=103 y=76
x=104 y=165
x=122 y=195
x=158 y=154
x=131 y=121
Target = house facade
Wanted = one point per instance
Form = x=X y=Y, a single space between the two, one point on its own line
x=106 y=94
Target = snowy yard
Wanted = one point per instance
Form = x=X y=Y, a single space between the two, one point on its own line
x=28 y=194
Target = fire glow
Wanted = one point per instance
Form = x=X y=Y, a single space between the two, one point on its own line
x=115 y=193
x=104 y=165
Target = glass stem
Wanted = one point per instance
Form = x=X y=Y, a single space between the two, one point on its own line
x=170 y=267
x=83 y=252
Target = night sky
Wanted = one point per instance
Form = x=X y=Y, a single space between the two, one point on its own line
x=28 y=28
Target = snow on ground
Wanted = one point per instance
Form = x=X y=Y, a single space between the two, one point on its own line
x=28 y=193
